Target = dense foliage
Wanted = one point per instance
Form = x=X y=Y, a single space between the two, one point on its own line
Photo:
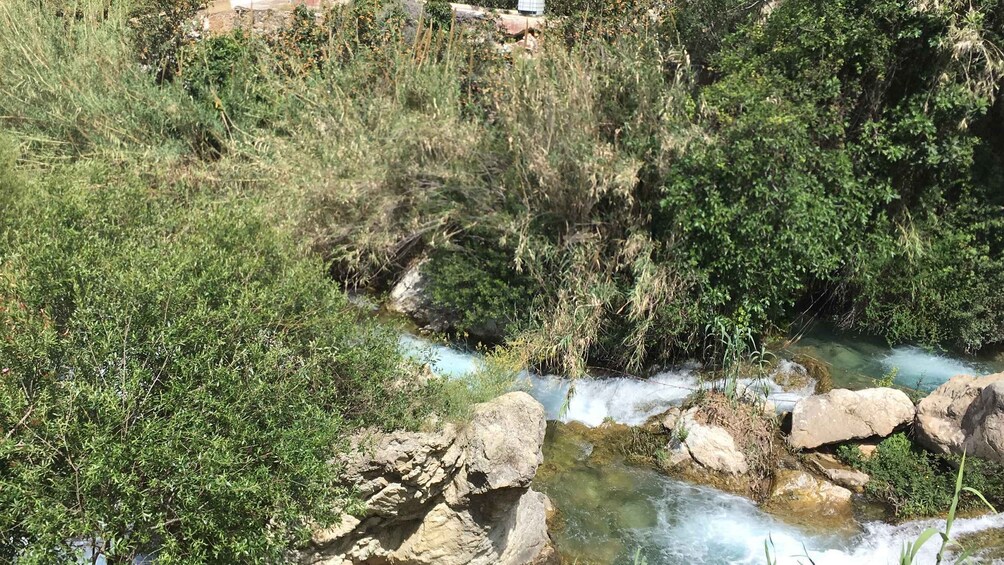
x=658 y=180
x=177 y=374
x=172 y=376
x=916 y=483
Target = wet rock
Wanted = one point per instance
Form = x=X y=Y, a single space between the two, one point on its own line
x=800 y=494
x=452 y=497
x=828 y=466
x=842 y=415
x=965 y=413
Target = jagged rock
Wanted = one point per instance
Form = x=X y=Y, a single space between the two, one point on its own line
x=504 y=442
x=709 y=446
x=964 y=413
x=676 y=454
x=448 y=498
x=799 y=493
x=841 y=474
x=841 y=415
x=984 y=424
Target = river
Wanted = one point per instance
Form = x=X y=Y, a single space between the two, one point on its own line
x=610 y=510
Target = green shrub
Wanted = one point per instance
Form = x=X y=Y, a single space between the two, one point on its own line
x=161 y=29
x=475 y=279
x=176 y=376
x=439 y=14
x=914 y=483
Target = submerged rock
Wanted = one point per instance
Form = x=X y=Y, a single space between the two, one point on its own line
x=800 y=495
x=452 y=497
x=842 y=415
x=965 y=413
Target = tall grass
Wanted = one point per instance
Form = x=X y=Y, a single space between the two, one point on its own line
x=910 y=550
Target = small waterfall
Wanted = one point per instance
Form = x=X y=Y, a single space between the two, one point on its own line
x=923 y=370
x=625 y=400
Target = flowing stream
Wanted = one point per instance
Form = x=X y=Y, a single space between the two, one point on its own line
x=856 y=362
x=610 y=509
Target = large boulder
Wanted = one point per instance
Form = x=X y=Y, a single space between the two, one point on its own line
x=453 y=497
x=842 y=415
x=964 y=414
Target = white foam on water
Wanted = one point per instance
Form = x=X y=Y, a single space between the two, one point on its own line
x=443 y=360
x=882 y=543
x=696 y=524
x=621 y=399
x=921 y=369
x=701 y=525
x=625 y=400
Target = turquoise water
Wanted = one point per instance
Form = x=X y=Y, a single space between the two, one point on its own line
x=857 y=362
x=610 y=510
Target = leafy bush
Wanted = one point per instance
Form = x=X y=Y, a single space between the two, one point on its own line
x=439 y=14
x=914 y=482
x=161 y=29
x=475 y=280
x=176 y=377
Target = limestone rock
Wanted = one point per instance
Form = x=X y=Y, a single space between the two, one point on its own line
x=504 y=442
x=670 y=418
x=965 y=413
x=711 y=447
x=841 y=474
x=984 y=424
x=455 y=497
x=676 y=454
x=841 y=415
x=799 y=493
x=410 y=296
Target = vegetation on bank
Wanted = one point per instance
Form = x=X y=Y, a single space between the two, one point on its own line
x=178 y=374
x=657 y=180
x=915 y=483
x=649 y=185
x=177 y=370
